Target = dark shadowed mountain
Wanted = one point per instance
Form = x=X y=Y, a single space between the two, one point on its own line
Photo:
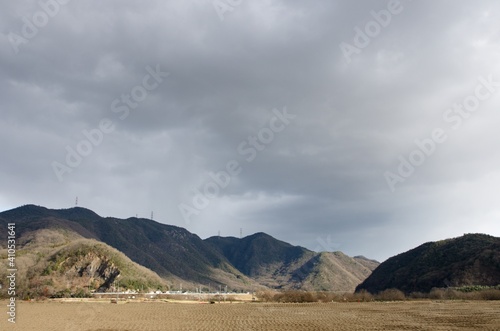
x=254 y=254
x=277 y=264
x=473 y=259
x=168 y=250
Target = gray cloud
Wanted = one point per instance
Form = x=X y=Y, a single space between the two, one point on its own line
x=321 y=177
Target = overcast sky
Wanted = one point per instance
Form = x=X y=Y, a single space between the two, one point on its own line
x=294 y=118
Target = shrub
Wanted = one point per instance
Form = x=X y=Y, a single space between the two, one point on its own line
x=486 y=293
x=265 y=296
x=365 y=296
x=66 y=293
x=436 y=294
x=391 y=294
x=418 y=295
x=327 y=297
x=295 y=296
x=81 y=293
x=490 y=294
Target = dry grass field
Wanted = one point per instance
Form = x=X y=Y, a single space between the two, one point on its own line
x=408 y=315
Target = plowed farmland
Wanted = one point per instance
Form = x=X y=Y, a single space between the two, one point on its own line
x=408 y=315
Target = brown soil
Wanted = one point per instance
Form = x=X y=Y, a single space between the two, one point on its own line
x=409 y=315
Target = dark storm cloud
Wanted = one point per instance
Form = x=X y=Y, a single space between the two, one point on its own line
x=320 y=179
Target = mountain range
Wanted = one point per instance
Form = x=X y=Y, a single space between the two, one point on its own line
x=66 y=248
x=277 y=264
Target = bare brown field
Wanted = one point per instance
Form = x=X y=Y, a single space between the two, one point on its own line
x=131 y=316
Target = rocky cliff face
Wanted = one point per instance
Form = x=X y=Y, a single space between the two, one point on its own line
x=61 y=263
x=92 y=267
